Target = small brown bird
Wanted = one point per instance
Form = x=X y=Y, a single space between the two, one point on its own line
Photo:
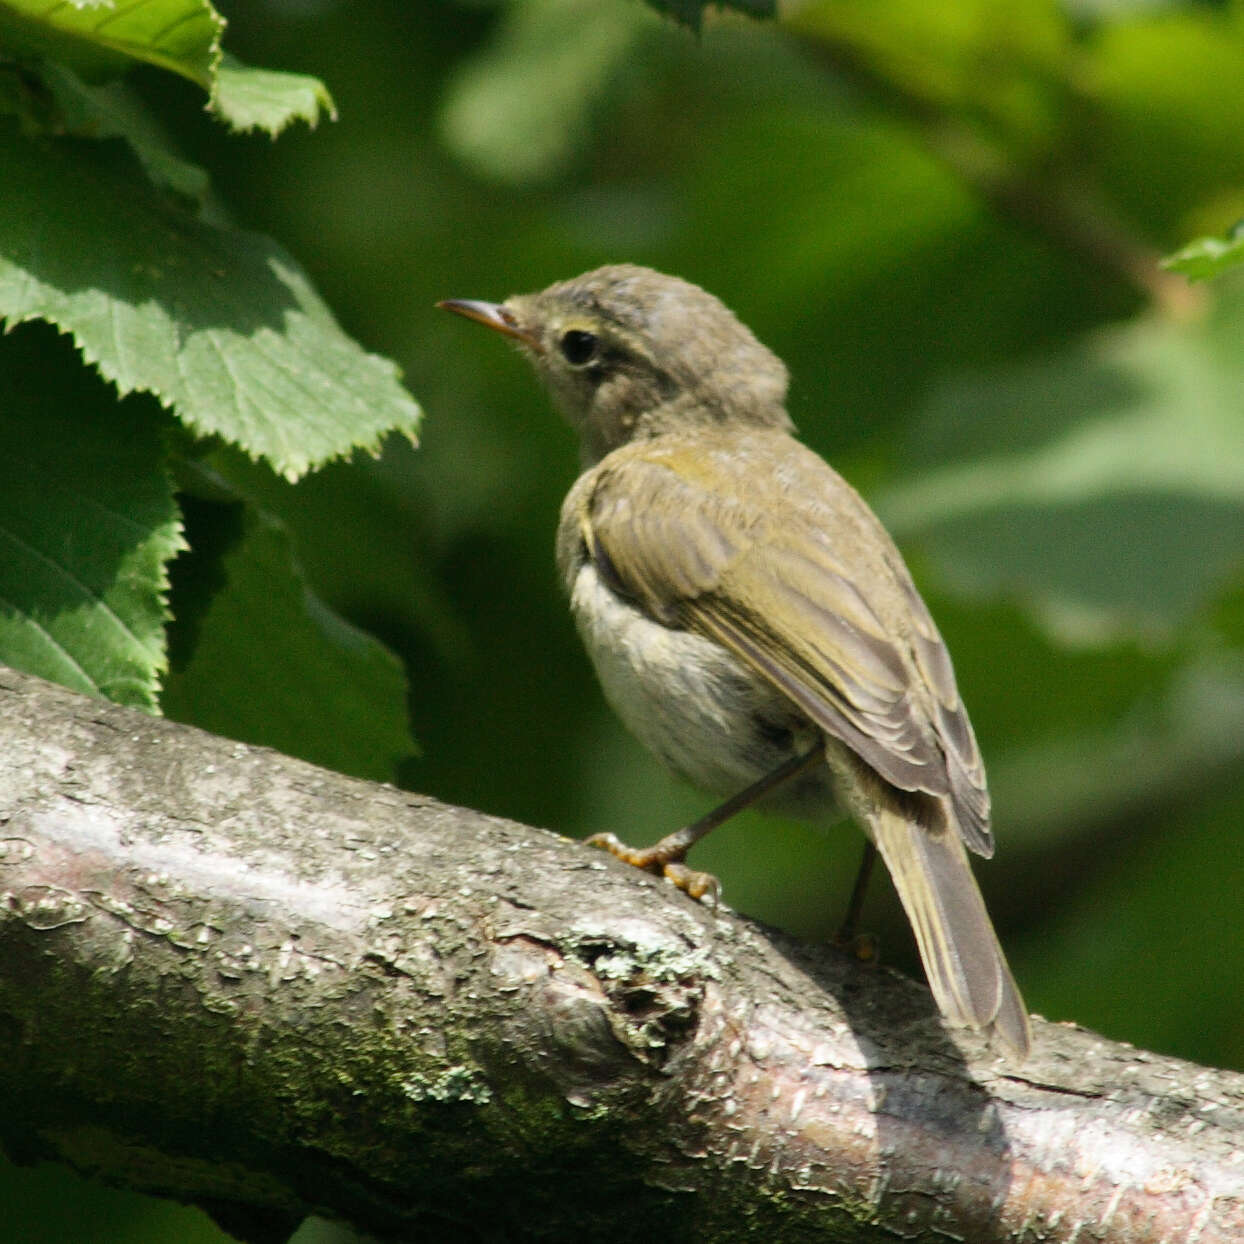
x=748 y=616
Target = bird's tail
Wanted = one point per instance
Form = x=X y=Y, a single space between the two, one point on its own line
x=964 y=963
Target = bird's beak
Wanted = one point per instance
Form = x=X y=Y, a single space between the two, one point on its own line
x=493 y=315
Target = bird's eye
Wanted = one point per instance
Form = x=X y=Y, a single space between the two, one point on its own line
x=579 y=347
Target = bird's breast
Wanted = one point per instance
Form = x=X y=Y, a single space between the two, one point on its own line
x=689 y=701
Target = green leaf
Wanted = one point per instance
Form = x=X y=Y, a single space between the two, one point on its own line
x=1208 y=257
x=113 y=111
x=179 y=35
x=105 y=37
x=267 y=99
x=1104 y=487
x=264 y=660
x=220 y=325
x=87 y=524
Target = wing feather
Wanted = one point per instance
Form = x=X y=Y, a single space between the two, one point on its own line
x=820 y=604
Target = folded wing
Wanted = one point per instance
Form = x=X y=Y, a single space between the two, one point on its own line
x=819 y=603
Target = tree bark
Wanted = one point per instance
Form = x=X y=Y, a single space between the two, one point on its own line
x=232 y=978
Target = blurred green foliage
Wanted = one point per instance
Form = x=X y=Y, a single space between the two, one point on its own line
x=947 y=220
x=1209 y=257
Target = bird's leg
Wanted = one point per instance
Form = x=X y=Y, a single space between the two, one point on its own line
x=862 y=945
x=665 y=858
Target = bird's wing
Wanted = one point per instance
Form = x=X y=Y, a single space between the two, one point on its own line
x=817 y=600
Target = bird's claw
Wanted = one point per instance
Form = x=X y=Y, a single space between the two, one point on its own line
x=862 y=947
x=697 y=885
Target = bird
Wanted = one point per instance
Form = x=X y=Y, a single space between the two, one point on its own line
x=749 y=618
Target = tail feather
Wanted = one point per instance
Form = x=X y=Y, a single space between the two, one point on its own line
x=965 y=965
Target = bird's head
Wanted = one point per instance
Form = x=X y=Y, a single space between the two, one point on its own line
x=629 y=353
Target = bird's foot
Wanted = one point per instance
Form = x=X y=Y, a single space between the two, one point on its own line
x=862 y=947
x=664 y=860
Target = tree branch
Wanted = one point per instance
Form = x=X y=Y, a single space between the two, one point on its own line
x=232 y=978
